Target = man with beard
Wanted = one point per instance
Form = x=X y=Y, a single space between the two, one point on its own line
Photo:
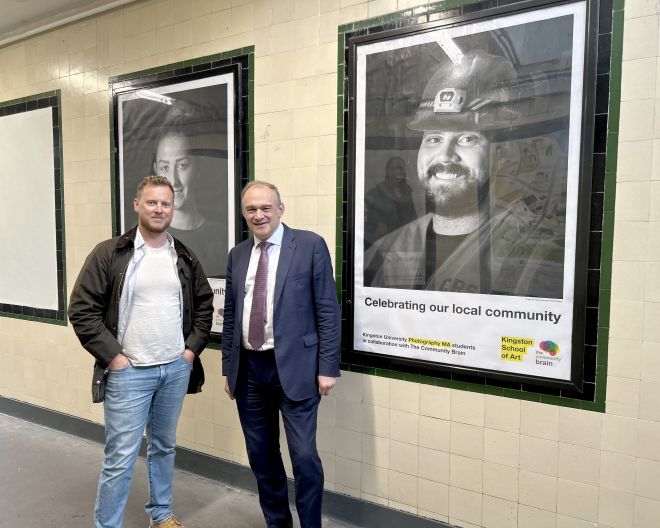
x=142 y=307
x=457 y=245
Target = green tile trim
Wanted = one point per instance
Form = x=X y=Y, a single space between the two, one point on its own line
x=62 y=304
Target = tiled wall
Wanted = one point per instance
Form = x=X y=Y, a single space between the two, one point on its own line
x=471 y=459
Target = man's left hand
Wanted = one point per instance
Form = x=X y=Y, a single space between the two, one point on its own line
x=188 y=355
x=325 y=384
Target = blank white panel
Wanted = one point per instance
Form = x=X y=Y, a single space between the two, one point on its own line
x=28 y=251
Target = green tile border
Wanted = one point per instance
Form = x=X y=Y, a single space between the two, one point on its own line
x=411 y=17
x=53 y=100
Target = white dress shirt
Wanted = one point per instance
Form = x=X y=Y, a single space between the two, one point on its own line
x=273 y=259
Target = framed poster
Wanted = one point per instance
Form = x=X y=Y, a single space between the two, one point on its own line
x=33 y=278
x=189 y=125
x=466 y=143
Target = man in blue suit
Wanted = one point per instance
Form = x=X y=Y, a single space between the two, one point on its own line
x=280 y=350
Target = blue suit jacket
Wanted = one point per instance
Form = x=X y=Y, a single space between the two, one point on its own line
x=306 y=317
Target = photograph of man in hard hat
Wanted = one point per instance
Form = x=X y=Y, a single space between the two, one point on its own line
x=485 y=127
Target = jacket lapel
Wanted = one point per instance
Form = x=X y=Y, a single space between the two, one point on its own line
x=243 y=253
x=286 y=255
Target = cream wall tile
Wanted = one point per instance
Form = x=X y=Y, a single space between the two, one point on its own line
x=636 y=119
x=466 y=473
x=375 y=480
x=375 y=390
x=354 y=13
x=580 y=427
x=465 y=505
x=381 y=7
x=638 y=79
x=404 y=458
x=434 y=465
x=349 y=386
x=348 y=473
x=501 y=447
x=283 y=11
x=500 y=481
x=647 y=478
x=529 y=517
x=434 y=401
x=348 y=444
x=502 y=413
x=539 y=420
x=615 y=509
x=649 y=399
x=565 y=521
x=404 y=396
x=499 y=513
x=624 y=394
x=376 y=421
x=617 y=471
x=348 y=415
x=402 y=507
x=651 y=328
x=466 y=440
x=538 y=455
x=434 y=433
x=640 y=8
x=640 y=38
x=619 y=434
x=650 y=361
x=624 y=358
x=655 y=158
x=632 y=201
x=433 y=496
x=648 y=439
x=374 y=498
x=580 y=464
x=647 y=513
x=403 y=488
x=626 y=320
x=467 y=407
x=577 y=500
x=376 y=451
x=404 y=427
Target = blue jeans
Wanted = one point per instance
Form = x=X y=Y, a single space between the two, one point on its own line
x=136 y=397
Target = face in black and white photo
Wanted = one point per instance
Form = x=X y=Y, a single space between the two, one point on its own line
x=452 y=167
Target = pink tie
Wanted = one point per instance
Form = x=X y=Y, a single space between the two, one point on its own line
x=256 y=330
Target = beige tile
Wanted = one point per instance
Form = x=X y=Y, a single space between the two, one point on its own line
x=348 y=414
x=502 y=413
x=617 y=471
x=580 y=427
x=466 y=473
x=539 y=420
x=375 y=480
x=626 y=320
x=619 y=434
x=404 y=396
x=434 y=433
x=634 y=160
x=348 y=443
x=434 y=465
x=404 y=458
x=529 y=485
x=615 y=509
x=636 y=120
x=633 y=201
x=500 y=481
x=376 y=420
x=404 y=427
x=538 y=455
x=434 y=401
x=348 y=473
x=529 y=517
x=433 y=496
x=349 y=386
x=649 y=400
x=466 y=440
x=647 y=478
x=640 y=8
x=651 y=328
x=381 y=7
x=467 y=407
x=403 y=488
x=647 y=513
x=376 y=451
x=650 y=369
x=354 y=13
x=577 y=500
x=624 y=392
x=655 y=157
x=638 y=79
x=501 y=447
x=648 y=439
x=499 y=513
x=465 y=505
x=651 y=271
x=579 y=464
x=624 y=358
x=640 y=38
x=400 y=506
x=565 y=521
x=376 y=390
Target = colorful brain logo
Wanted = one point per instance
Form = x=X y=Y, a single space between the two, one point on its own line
x=550 y=347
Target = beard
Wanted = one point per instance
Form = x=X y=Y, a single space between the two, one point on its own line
x=458 y=190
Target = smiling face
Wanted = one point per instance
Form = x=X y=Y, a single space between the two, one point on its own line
x=452 y=167
x=174 y=162
x=154 y=208
x=262 y=211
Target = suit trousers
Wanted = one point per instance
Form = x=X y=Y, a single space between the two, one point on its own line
x=260 y=399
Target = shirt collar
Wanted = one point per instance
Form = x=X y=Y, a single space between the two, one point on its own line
x=138 y=243
x=275 y=238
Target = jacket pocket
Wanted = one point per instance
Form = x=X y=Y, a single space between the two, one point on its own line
x=311 y=339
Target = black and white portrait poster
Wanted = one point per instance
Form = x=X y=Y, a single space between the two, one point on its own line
x=185 y=132
x=467 y=156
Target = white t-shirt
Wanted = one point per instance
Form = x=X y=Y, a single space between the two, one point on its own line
x=154 y=334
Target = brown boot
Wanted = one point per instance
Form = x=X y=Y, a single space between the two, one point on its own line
x=170 y=522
